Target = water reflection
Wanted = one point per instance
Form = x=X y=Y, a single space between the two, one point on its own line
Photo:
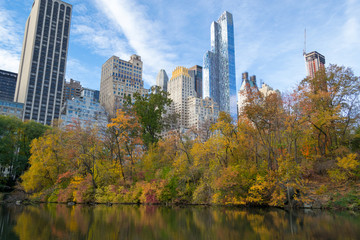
x=51 y=221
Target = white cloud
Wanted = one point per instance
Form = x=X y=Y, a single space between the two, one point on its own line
x=144 y=35
x=10 y=42
x=9 y=61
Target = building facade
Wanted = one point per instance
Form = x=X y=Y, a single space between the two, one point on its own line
x=266 y=90
x=193 y=112
x=119 y=79
x=162 y=80
x=180 y=87
x=201 y=111
x=196 y=73
x=219 y=79
x=314 y=61
x=85 y=110
x=10 y=108
x=43 y=60
x=7 y=85
x=71 y=89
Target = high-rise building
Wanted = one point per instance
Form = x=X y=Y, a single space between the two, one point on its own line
x=196 y=73
x=247 y=87
x=201 y=111
x=180 y=87
x=219 y=80
x=71 y=89
x=120 y=79
x=7 y=85
x=314 y=61
x=162 y=80
x=43 y=60
x=84 y=109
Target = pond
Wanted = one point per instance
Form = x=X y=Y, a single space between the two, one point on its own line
x=56 y=221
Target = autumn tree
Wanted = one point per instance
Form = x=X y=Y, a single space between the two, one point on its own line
x=124 y=134
x=330 y=104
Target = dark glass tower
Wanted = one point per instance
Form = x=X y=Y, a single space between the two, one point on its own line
x=7 y=85
x=43 y=60
x=196 y=73
x=219 y=80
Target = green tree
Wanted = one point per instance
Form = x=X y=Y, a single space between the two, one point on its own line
x=15 y=140
x=150 y=110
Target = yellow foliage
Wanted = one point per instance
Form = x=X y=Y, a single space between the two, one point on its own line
x=346 y=168
x=348 y=163
x=256 y=191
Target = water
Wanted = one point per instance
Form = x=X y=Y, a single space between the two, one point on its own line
x=52 y=221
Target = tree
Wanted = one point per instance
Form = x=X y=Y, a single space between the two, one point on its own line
x=150 y=110
x=15 y=140
x=125 y=132
x=330 y=104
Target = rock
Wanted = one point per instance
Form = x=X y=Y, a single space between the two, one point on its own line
x=18 y=202
x=70 y=203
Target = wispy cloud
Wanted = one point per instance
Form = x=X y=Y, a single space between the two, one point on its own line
x=10 y=41
x=144 y=35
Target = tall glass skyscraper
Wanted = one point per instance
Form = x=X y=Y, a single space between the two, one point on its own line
x=219 y=79
x=43 y=60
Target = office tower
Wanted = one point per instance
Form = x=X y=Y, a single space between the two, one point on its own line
x=219 y=80
x=71 y=89
x=7 y=85
x=120 y=79
x=196 y=73
x=43 y=60
x=180 y=87
x=314 y=61
x=84 y=110
x=162 y=80
x=247 y=87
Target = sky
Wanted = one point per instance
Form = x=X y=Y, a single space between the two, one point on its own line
x=269 y=36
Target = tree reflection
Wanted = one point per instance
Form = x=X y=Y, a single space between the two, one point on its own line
x=51 y=221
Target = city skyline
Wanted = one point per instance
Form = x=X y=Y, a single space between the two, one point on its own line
x=267 y=45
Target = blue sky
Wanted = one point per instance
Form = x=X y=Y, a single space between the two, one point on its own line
x=269 y=35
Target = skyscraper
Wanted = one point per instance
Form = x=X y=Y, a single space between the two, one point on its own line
x=7 y=85
x=219 y=80
x=162 y=80
x=119 y=79
x=196 y=73
x=43 y=60
x=314 y=61
x=180 y=87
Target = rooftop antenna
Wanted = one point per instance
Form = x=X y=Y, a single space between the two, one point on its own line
x=304 y=50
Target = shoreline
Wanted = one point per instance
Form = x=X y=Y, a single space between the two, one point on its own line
x=27 y=202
